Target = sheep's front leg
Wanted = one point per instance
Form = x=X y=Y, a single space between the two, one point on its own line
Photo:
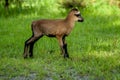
x=63 y=46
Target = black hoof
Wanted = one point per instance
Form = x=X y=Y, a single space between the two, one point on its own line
x=25 y=57
x=66 y=56
x=31 y=56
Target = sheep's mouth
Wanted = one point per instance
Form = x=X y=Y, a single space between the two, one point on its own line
x=80 y=20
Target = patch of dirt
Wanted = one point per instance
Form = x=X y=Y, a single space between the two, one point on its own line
x=31 y=76
x=2 y=77
x=71 y=72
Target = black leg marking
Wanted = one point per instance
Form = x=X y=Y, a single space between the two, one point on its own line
x=31 y=49
x=66 y=55
x=25 y=54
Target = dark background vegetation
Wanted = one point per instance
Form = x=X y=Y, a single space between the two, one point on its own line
x=13 y=7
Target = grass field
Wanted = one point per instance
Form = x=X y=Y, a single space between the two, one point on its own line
x=94 y=48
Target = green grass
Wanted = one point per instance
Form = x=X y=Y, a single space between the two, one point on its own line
x=94 y=48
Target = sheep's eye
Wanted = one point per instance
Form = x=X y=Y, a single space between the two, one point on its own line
x=77 y=15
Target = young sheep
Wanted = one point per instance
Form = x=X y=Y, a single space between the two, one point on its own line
x=59 y=28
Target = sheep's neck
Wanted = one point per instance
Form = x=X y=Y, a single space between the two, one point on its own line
x=70 y=22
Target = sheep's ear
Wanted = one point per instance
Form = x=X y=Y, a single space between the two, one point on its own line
x=74 y=9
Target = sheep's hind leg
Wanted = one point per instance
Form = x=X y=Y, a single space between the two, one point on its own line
x=25 y=54
x=32 y=45
x=30 y=42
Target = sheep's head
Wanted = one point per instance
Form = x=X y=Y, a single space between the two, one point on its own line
x=76 y=15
